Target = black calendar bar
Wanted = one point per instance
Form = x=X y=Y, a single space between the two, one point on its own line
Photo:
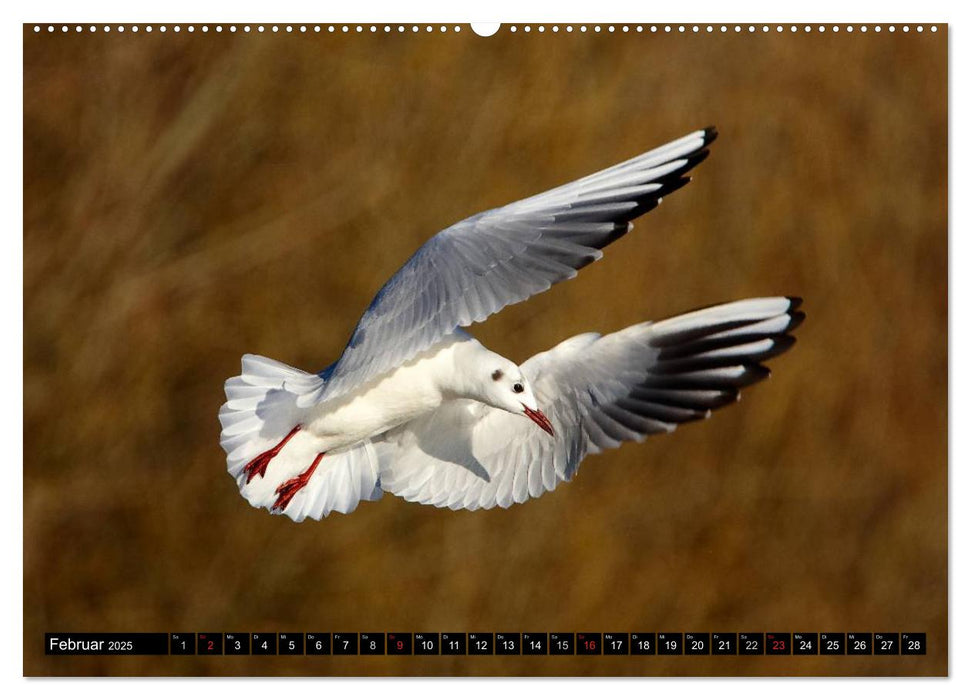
x=236 y=643
x=697 y=643
x=105 y=644
x=509 y=643
x=913 y=643
x=562 y=643
x=778 y=643
x=842 y=644
x=345 y=643
x=182 y=643
x=643 y=643
x=670 y=643
x=453 y=644
x=291 y=643
x=589 y=643
x=832 y=643
x=859 y=643
x=751 y=643
x=724 y=644
x=372 y=643
x=263 y=643
x=318 y=643
x=209 y=643
x=616 y=643
x=481 y=643
x=535 y=643
x=805 y=643
x=400 y=643
x=886 y=643
x=427 y=643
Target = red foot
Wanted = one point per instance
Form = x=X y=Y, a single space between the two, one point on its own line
x=288 y=489
x=259 y=464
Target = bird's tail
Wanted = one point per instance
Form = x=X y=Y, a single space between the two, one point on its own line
x=261 y=420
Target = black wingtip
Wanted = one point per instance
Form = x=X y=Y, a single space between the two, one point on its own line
x=753 y=374
x=796 y=319
x=780 y=344
x=694 y=159
x=674 y=185
x=794 y=303
x=711 y=133
x=670 y=182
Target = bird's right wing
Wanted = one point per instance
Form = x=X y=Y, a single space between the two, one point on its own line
x=503 y=256
x=597 y=392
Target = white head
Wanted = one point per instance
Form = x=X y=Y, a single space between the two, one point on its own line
x=501 y=384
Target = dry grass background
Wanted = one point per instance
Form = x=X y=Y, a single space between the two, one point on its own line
x=189 y=198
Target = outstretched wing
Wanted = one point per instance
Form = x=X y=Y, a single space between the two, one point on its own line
x=503 y=256
x=598 y=392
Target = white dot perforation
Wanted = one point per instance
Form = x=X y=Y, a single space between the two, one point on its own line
x=513 y=29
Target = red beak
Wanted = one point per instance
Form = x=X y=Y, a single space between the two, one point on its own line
x=539 y=419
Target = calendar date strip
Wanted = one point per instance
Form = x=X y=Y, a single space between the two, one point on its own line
x=486 y=643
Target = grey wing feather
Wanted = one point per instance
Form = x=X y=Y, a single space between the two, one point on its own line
x=503 y=256
x=598 y=392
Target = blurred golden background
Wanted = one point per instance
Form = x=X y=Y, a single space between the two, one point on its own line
x=191 y=197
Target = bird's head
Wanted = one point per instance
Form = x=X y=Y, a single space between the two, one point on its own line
x=506 y=388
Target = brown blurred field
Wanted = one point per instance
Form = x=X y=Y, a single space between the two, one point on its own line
x=189 y=198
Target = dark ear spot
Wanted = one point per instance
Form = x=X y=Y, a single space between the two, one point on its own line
x=497 y=375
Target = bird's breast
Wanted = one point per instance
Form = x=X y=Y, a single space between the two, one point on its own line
x=406 y=393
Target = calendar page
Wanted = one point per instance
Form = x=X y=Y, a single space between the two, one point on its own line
x=513 y=350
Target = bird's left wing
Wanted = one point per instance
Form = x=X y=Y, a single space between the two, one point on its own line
x=597 y=392
x=503 y=256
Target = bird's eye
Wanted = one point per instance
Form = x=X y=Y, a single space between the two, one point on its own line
x=517 y=387
x=497 y=375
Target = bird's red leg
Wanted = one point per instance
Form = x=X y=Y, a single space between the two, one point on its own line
x=288 y=489
x=259 y=463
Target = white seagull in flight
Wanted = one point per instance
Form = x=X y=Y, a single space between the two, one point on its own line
x=417 y=407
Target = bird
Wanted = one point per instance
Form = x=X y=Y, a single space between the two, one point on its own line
x=415 y=406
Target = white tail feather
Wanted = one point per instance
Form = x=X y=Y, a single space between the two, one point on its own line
x=262 y=407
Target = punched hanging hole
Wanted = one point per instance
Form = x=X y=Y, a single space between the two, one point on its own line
x=485 y=28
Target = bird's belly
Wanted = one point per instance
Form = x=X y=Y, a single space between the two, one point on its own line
x=385 y=404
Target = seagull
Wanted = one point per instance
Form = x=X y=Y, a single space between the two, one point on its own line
x=417 y=407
